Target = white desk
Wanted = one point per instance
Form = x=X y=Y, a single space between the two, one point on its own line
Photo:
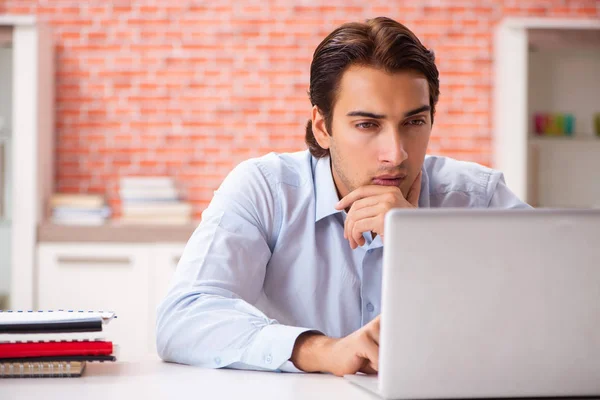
x=158 y=380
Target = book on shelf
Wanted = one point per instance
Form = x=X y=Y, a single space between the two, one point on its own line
x=82 y=220
x=172 y=208
x=80 y=216
x=156 y=220
x=152 y=200
x=78 y=209
x=149 y=193
x=76 y=200
x=103 y=211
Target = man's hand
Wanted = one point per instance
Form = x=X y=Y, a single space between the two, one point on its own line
x=368 y=206
x=357 y=352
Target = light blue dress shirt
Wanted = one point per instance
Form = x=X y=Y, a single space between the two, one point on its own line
x=269 y=261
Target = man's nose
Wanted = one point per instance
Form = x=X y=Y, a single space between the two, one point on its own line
x=392 y=149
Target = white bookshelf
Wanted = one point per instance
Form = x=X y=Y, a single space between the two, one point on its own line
x=548 y=66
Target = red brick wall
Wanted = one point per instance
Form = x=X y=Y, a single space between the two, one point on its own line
x=191 y=88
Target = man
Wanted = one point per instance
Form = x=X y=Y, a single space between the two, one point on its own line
x=284 y=271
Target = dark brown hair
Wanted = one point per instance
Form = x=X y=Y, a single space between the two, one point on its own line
x=381 y=43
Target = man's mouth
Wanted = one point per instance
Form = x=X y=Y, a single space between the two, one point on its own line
x=389 y=180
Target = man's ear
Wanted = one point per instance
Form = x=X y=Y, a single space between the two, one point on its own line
x=319 y=130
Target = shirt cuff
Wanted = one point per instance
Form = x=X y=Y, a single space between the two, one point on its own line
x=272 y=347
x=289 y=366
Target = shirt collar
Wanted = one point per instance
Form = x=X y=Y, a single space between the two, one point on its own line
x=326 y=196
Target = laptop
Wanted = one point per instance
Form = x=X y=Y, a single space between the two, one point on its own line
x=489 y=303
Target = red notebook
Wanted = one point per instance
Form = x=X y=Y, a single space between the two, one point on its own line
x=45 y=349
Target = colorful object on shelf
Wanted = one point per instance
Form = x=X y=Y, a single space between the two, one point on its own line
x=554 y=124
x=569 y=124
x=541 y=121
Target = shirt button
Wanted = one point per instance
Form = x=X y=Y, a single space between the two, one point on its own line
x=369 y=251
x=370 y=307
x=268 y=359
x=218 y=361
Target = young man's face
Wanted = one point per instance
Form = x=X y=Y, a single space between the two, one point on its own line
x=380 y=129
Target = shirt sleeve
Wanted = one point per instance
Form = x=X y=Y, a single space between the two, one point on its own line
x=208 y=317
x=502 y=196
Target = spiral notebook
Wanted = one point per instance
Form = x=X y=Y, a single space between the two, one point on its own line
x=43 y=369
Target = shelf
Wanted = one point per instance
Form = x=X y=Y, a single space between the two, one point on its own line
x=559 y=39
x=116 y=232
x=581 y=139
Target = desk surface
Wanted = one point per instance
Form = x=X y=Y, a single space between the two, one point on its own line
x=158 y=380
x=154 y=379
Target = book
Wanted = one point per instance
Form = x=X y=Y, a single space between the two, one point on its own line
x=50 y=337
x=132 y=182
x=156 y=220
x=79 y=220
x=168 y=193
x=155 y=209
x=81 y=211
x=53 y=321
x=80 y=216
x=34 y=369
x=49 y=349
x=76 y=200
x=110 y=358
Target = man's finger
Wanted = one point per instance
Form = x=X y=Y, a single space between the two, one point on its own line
x=370 y=351
x=364 y=225
x=368 y=369
x=415 y=191
x=354 y=216
x=374 y=332
x=362 y=213
x=364 y=202
x=356 y=240
x=361 y=192
x=348 y=224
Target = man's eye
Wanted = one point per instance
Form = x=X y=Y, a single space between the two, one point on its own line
x=416 y=122
x=365 y=125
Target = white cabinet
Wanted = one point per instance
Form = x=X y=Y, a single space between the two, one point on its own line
x=128 y=278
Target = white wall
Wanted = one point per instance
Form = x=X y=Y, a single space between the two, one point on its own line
x=4 y=258
x=6 y=114
x=6 y=85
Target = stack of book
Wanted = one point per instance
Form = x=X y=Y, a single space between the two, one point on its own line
x=152 y=200
x=52 y=343
x=78 y=209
